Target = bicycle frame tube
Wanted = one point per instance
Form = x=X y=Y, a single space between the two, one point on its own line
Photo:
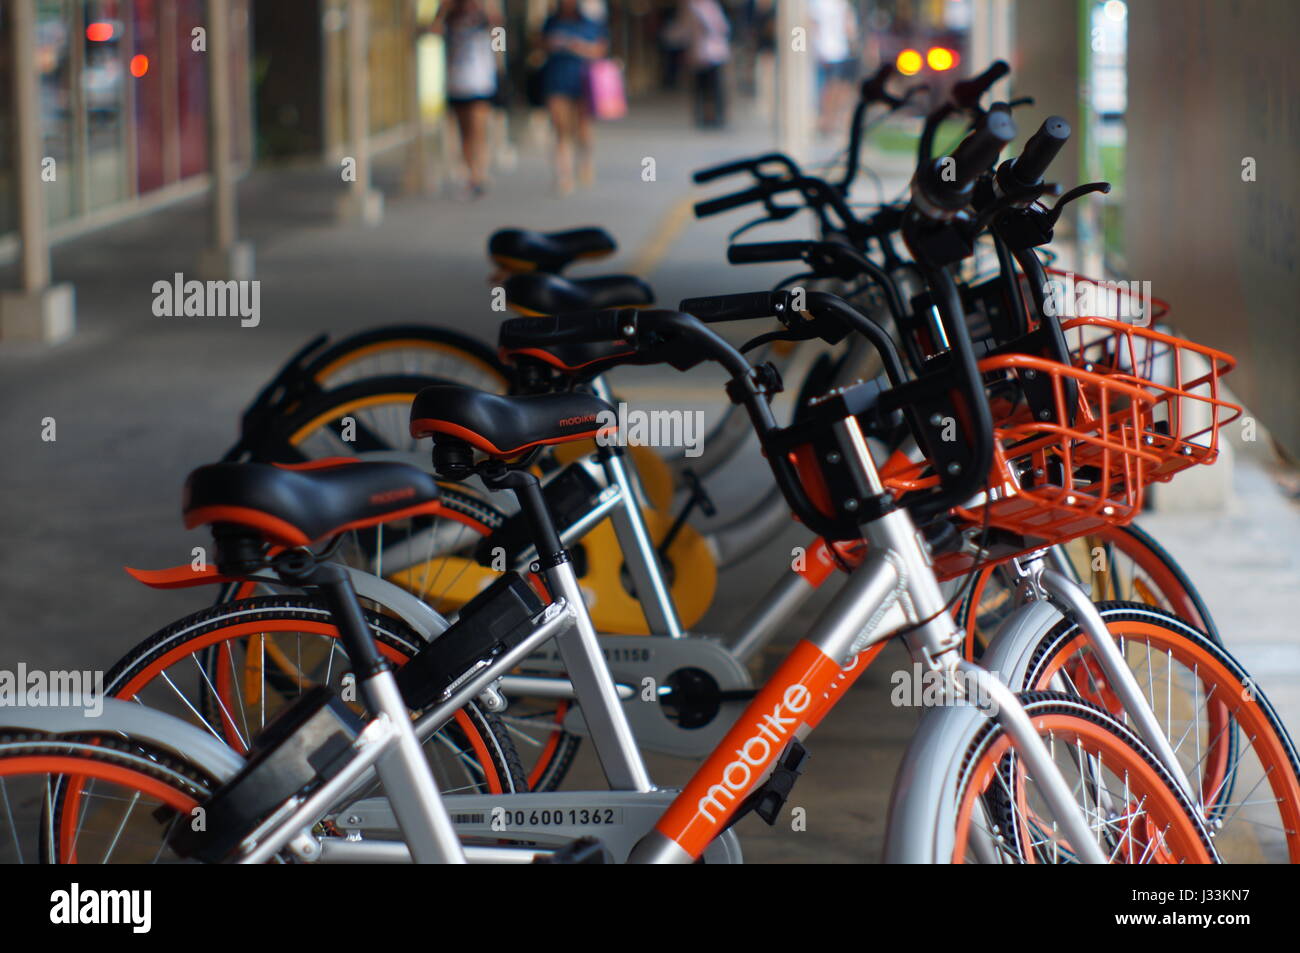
x=893 y=589
x=1069 y=597
x=639 y=554
x=616 y=747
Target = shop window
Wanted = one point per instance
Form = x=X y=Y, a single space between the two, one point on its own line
x=103 y=94
x=192 y=90
x=144 y=66
x=54 y=69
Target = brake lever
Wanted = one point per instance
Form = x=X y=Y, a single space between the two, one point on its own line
x=1078 y=192
x=769 y=336
x=1022 y=196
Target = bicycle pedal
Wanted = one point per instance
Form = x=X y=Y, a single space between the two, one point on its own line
x=584 y=850
x=771 y=796
x=490 y=624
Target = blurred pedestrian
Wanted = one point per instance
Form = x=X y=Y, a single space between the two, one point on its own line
x=572 y=40
x=702 y=28
x=466 y=29
x=835 y=30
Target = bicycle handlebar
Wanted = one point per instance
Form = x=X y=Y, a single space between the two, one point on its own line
x=763 y=252
x=976 y=153
x=873 y=87
x=1043 y=146
x=945 y=186
x=725 y=203
x=966 y=94
x=579 y=327
x=752 y=164
x=744 y=306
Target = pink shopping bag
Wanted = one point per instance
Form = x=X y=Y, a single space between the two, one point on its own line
x=605 y=95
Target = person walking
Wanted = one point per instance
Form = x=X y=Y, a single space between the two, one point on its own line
x=703 y=29
x=572 y=40
x=834 y=38
x=466 y=28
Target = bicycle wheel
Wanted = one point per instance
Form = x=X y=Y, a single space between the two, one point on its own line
x=232 y=668
x=1131 y=805
x=1228 y=738
x=1121 y=563
x=129 y=797
x=411 y=349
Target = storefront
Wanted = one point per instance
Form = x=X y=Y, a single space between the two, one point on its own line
x=122 y=100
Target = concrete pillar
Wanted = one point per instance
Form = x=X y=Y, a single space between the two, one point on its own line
x=1047 y=66
x=226 y=258
x=796 y=110
x=361 y=203
x=40 y=311
x=992 y=30
x=332 y=21
x=416 y=178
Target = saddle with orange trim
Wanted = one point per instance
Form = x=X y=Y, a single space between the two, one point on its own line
x=299 y=504
x=507 y=426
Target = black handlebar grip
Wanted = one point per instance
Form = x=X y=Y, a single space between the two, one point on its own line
x=720 y=171
x=581 y=327
x=760 y=252
x=745 y=306
x=726 y=203
x=1042 y=147
x=979 y=150
x=966 y=94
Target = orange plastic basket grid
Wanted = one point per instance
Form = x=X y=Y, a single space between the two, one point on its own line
x=1051 y=480
x=1188 y=410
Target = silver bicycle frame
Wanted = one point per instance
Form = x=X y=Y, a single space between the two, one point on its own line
x=390 y=745
x=894 y=592
x=639 y=551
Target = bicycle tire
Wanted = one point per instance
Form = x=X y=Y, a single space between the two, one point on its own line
x=341 y=362
x=990 y=757
x=147 y=771
x=1169 y=580
x=218 y=625
x=1254 y=742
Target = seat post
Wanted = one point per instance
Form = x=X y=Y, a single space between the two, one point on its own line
x=611 y=735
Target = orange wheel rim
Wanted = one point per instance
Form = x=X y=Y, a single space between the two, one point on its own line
x=78 y=770
x=1254 y=721
x=1181 y=835
x=225 y=636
